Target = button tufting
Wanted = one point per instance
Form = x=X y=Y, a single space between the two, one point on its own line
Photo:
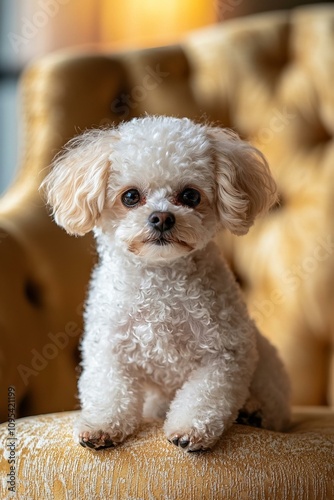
x=33 y=294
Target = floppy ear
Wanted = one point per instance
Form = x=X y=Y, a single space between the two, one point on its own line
x=245 y=187
x=76 y=186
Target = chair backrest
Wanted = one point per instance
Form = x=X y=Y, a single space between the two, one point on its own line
x=269 y=78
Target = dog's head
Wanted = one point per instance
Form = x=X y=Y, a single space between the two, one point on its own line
x=160 y=187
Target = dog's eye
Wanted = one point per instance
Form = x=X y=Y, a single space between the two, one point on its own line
x=190 y=197
x=131 y=198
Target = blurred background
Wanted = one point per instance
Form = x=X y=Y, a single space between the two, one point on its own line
x=33 y=28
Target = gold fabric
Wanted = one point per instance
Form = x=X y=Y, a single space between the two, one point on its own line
x=270 y=78
x=246 y=464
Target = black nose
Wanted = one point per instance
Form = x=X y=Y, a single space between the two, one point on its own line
x=161 y=221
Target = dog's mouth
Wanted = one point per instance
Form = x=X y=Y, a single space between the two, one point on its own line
x=165 y=245
x=163 y=241
x=160 y=241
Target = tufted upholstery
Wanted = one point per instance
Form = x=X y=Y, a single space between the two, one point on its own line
x=270 y=78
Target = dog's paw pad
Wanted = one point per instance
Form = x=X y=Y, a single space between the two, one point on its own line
x=253 y=419
x=190 y=442
x=95 y=440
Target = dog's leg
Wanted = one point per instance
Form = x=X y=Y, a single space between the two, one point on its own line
x=112 y=404
x=270 y=388
x=207 y=404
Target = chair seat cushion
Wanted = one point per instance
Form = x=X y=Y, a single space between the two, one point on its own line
x=247 y=463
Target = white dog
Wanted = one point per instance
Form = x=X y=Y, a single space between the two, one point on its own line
x=166 y=330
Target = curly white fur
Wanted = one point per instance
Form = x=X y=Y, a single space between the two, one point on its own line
x=166 y=329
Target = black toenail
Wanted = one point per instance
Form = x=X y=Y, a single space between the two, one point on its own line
x=108 y=444
x=82 y=443
x=184 y=443
x=90 y=445
x=175 y=441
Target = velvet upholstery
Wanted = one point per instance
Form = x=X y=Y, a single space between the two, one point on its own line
x=246 y=464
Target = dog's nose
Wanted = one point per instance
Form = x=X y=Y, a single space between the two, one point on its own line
x=161 y=221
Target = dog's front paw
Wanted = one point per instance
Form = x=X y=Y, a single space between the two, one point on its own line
x=97 y=436
x=96 y=440
x=191 y=440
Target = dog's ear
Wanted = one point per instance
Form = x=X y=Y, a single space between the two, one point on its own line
x=245 y=187
x=76 y=186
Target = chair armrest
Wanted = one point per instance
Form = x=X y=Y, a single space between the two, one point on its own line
x=246 y=463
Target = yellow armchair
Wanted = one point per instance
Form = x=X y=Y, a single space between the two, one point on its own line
x=270 y=78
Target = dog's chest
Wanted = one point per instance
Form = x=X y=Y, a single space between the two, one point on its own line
x=166 y=321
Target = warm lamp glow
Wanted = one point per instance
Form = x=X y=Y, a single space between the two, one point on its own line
x=150 y=22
